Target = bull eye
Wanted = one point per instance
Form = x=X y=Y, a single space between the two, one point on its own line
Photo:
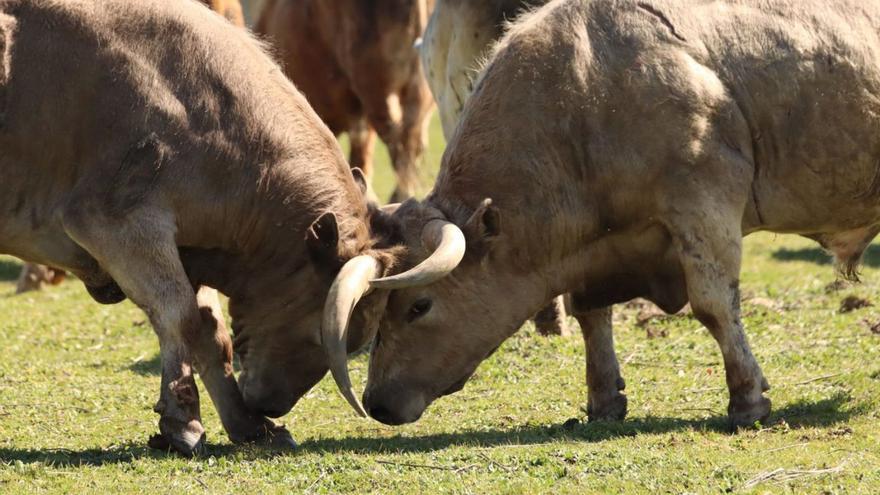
x=418 y=309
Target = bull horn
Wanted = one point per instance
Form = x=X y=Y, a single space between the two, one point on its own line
x=448 y=246
x=350 y=285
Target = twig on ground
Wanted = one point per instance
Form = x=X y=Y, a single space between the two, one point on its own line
x=781 y=475
x=425 y=466
x=315 y=482
x=820 y=378
x=704 y=409
x=490 y=461
x=777 y=449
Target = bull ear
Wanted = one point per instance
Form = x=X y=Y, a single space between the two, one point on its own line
x=360 y=179
x=485 y=223
x=322 y=239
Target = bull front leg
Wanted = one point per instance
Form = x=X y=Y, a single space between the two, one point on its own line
x=138 y=251
x=605 y=398
x=213 y=360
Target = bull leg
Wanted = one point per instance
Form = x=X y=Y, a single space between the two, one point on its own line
x=213 y=353
x=605 y=400
x=140 y=255
x=402 y=123
x=711 y=263
x=417 y=104
x=363 y=141
x=35 y=277
x=551 y=320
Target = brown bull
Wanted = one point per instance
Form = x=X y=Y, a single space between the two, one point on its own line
x=230 y=9
x=628 y=146
x=35 y=277
x=357 y=64
x=156 y=152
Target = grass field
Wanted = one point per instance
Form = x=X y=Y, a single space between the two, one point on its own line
x=78 y=381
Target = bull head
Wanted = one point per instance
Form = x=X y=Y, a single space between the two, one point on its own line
x=360 y=275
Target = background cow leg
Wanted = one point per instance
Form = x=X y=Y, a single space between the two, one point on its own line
x=213 y=360
x=35 y=277
x=140 y=254
x=605 y=400
x=551 y=320
x=363 y=141
x=417 y=103
x=711 y=263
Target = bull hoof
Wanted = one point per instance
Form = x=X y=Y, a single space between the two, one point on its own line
x=279 y=438
x=106 y=294
x=187 y=440
x=741 y=414
x=269 y=435
x=611 y=409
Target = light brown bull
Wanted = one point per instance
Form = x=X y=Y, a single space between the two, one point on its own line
x=156 y=152
x=357 y=64
x=628 y=146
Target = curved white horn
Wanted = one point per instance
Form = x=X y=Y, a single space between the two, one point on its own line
x=350 y=285
x=448 y=247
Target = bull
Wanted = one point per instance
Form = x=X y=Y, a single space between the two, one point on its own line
x=158 y=153
x=357 y=65
x=627 y=147
x=230 y=9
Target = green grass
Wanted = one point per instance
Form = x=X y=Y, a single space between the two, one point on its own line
x=78 y=381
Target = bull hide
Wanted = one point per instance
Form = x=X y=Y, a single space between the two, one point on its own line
x=35 y=277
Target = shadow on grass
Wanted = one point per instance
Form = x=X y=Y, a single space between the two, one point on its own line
x=820 y=257
x=148 y=367
x=153 y=366
x=9 y=270
x=803 y=414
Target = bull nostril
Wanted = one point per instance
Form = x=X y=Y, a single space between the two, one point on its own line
x=382 y=414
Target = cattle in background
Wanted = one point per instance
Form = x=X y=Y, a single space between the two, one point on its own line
x=186 y=163
x=627 y=148
x=357 y=64
x=230 y=9
x=457 y=41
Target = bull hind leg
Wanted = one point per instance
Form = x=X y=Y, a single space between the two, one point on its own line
x=417 y=103
x=402 y=123
x=605 y=397
x=140 y=255
x=551 y=320
x=710 y=255
x=363 y=142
